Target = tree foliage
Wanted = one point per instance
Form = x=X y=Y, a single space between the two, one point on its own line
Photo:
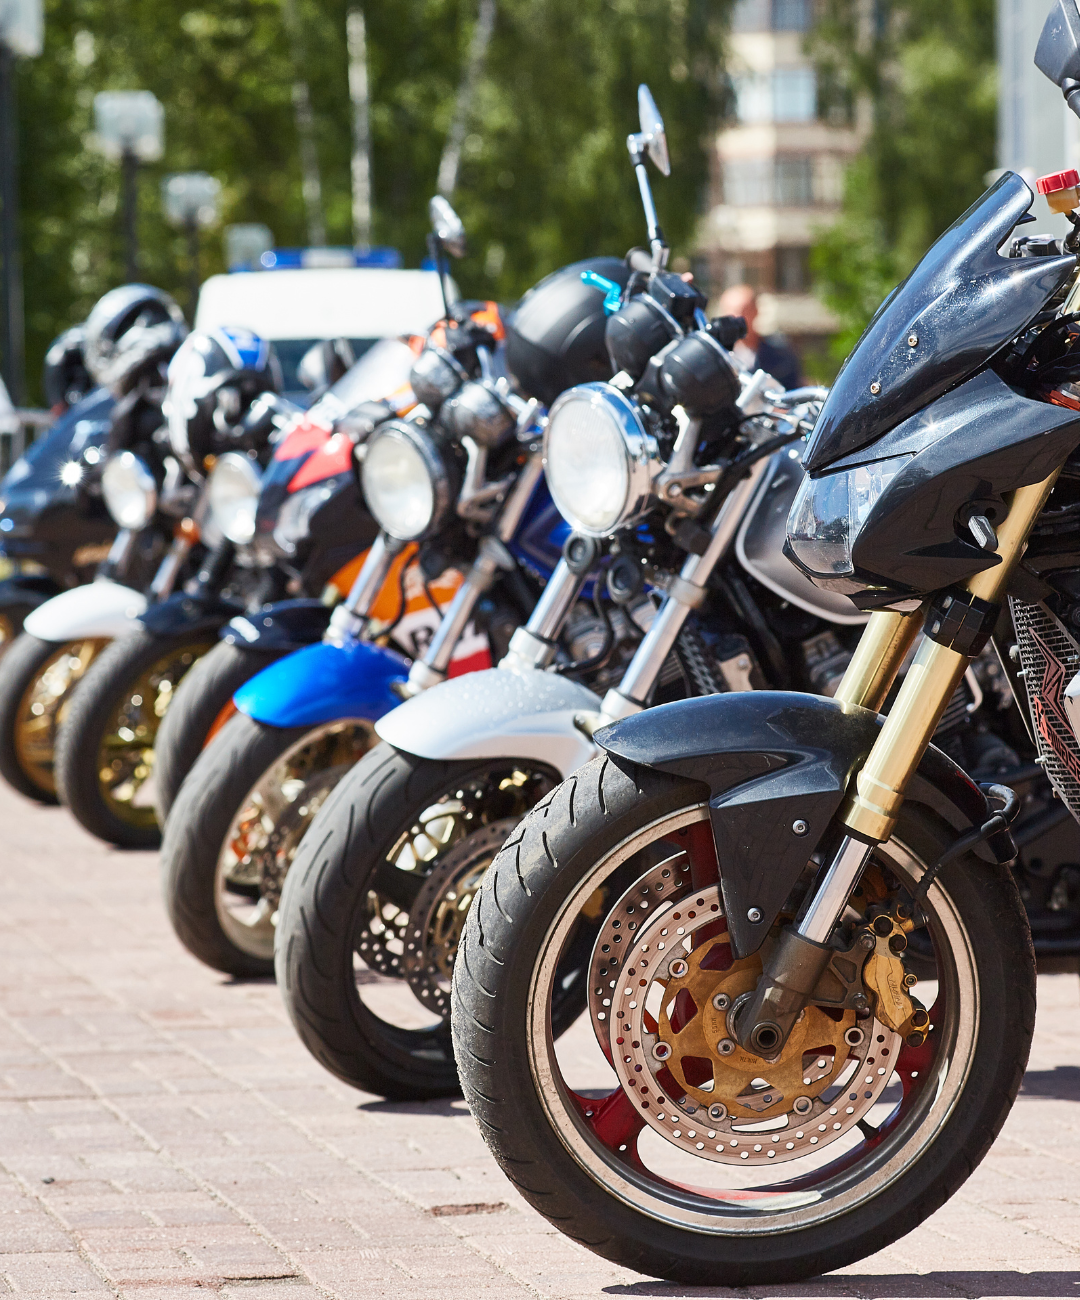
x=544 y=176
x=923 y=74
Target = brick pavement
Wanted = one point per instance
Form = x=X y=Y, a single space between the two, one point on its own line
x=162 y=1134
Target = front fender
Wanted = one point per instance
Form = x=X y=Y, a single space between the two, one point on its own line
x=496 y=714
x=325 y=683
x=182 y=614
x=770 y=759
x=101 y=608
x=285 y=625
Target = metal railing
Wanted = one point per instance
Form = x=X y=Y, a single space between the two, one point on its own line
x=18 y=429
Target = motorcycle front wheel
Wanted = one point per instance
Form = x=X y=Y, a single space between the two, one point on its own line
x=372 y=911
x=105 y=750
x=202 y=706
x=234 y=830
x=37 y=679
x=646 y=1132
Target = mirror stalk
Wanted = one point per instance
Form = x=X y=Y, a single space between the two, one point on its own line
x=657 y=243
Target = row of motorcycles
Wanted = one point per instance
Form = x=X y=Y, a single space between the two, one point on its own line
x=742 y=854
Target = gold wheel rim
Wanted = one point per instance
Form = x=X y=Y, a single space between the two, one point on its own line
x=43 y=706
x=125 y=758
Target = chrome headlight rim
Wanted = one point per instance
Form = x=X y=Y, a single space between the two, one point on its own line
x=233 y=512
x=640 y=450
x=433 y=464
x=130 y=490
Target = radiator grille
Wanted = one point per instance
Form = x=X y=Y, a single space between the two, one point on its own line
x=1050 y=658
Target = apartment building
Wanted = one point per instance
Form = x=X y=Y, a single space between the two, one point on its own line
x=778 y=172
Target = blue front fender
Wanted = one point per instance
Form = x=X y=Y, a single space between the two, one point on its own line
x=323 y=683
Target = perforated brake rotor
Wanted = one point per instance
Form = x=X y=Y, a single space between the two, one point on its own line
x=437 y=917
x=668 y=1036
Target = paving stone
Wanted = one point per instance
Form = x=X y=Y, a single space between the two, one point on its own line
x=194 y=1147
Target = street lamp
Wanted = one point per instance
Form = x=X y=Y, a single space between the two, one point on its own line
x=21 y=32
x=191 y=201
x=129 y=126
x=245 y=244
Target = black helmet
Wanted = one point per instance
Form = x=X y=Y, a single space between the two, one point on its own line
x=115 y=315
x=555 y=337
x=213 y=379
x=64 y=375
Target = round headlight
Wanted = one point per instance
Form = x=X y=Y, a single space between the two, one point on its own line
x=599 y=459
x=233 y=494
x=406 y=481
x=435 y=376
x=129 y=490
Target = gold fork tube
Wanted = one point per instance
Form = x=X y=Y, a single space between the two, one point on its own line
x=870 y=812
x=885 y=641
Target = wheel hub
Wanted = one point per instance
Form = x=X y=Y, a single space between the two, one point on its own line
x=673 y=993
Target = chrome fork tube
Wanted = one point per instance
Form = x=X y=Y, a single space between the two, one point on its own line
x=492 y=556
x=169 y=568
x=686 y=592
x=116 y=562
x=349 y=619
x=533 y=646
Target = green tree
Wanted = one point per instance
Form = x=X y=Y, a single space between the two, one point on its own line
x=544 y=177
x=924 y=73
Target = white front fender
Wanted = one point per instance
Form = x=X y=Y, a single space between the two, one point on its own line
x=99 y=609
x=496 y=714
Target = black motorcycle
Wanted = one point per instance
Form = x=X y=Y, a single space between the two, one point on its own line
x=806 y=946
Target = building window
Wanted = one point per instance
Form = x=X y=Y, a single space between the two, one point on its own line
x=791 y=15
x=794 y=95
x=771 y=15
x=787 y=95
x=751 y=16
x=762 y=182
x=794 y=182
x=792 y=270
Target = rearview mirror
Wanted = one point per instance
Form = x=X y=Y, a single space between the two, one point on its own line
x=1058 y=52
x=448 y=227
x=652 y=128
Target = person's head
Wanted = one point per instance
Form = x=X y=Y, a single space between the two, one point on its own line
x=740 y=300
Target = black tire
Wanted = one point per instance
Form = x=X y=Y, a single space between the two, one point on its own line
x=553 y=854
x=323 y=904
x=20 y=668
x=205 y=806
x=107 y=684
x=200 y=700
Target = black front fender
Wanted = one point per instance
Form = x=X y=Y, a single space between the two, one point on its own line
x=771 y=759
x=182 y=614
x=285 y=625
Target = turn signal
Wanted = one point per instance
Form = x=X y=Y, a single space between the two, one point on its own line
x=1062 y=190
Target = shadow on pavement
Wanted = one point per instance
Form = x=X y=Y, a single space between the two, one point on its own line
x=1062 y=1083
x=973 y=1285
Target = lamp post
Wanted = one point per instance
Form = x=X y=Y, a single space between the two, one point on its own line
x=191 y=202
x=21 y=32
x=245 y=244
x=129 y=128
